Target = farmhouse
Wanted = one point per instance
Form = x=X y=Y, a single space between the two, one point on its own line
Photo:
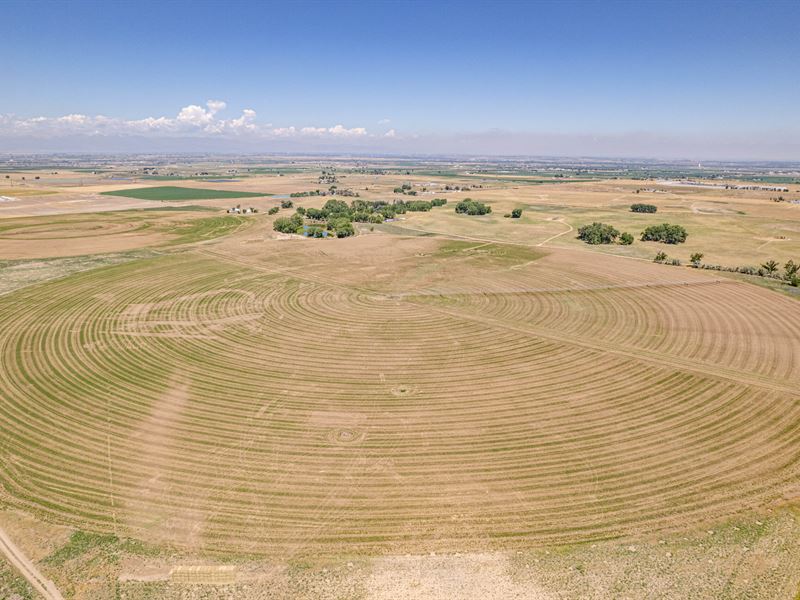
x=238 y=210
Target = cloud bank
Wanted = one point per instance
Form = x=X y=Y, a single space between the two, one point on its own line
x=205 y=128
x=191 y=121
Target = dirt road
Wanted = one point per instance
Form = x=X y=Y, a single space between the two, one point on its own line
x=25 y=566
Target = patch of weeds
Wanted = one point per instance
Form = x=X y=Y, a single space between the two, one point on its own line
x=81 y=542
x=13 y=585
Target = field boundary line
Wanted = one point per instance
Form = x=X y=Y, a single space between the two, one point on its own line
x=27 y=569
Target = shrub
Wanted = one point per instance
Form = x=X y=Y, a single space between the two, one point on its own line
x=696 y=258
x=287 y=204
x=626 y=239
x=665 y=233
x=341 y=226
x=643 y=208
x=272 y=211
x=598 y=233
x=439 y=201
x=660 y=257
x=300 y=210
x=419 y=206
x=316 y=232
x=516 y=213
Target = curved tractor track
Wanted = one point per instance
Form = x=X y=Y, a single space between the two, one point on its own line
x=208 y=403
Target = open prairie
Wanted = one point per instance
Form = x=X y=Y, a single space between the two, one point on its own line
x=483 y=388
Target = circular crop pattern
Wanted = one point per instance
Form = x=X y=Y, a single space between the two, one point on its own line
x=189 y=401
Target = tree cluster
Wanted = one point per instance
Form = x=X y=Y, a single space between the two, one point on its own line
x=643 y=208
x=338 y=216
x=468 y=206
x=603 y=233
x=665 y=233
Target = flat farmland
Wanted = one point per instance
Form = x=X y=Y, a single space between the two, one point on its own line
x=494 y=400
x=184 y=387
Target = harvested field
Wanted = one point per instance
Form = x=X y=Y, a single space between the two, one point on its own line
x=390 y=395
x=76 y=235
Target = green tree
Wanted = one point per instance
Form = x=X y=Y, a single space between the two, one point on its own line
x=291 y=224
x=770 y=267
x=625 y=238
x=516 y=213
x=643 y=208
x=665 y=233
x=660 y=257
x=696 y=258
x=598 y=233
x=336 y=207
x=790 y=269
x=468 y=206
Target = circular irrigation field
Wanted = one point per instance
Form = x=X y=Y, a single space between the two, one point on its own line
x=195 y=402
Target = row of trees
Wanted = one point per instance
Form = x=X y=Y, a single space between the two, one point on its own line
x=770 y=268
x=468 y=206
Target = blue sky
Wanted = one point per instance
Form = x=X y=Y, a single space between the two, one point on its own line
x=674 y=77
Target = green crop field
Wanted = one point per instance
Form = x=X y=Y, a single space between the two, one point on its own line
x=171 y=193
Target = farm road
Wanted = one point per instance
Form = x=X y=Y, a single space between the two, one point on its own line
x=28 y=570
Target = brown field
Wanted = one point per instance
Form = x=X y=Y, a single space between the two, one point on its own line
x=484 y=389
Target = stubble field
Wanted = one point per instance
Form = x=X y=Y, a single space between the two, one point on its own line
x=244 y=395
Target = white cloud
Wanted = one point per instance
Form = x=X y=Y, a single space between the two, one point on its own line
x=284 y=131
x=342 y=131
x=192 y=120
x=390 y=134
x=214 y=106
x=244 y=123
x=384 y=121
